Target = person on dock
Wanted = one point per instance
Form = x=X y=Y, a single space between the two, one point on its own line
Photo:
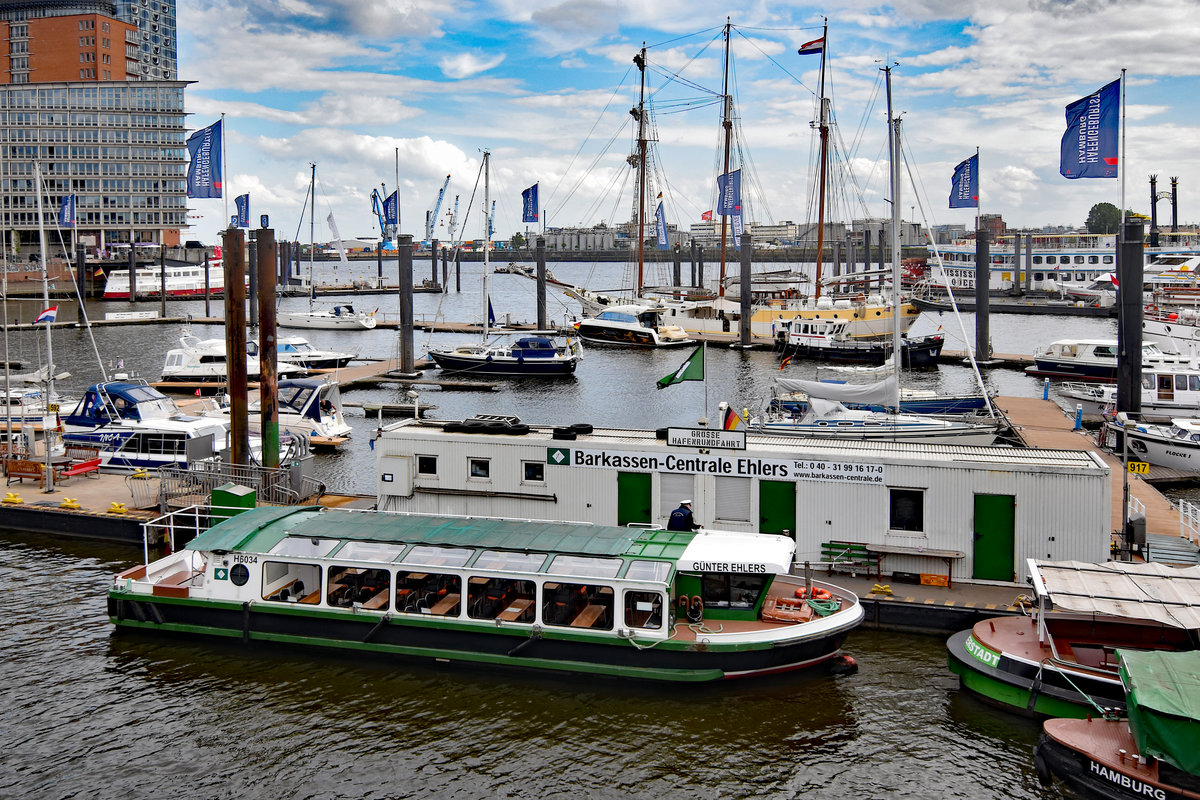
x=682 y=519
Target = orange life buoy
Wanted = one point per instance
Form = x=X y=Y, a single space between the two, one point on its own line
x=817 y=593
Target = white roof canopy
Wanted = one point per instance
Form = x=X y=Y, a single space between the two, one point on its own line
x=1152 y=592
x=730 y=551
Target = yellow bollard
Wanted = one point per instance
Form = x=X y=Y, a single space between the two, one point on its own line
x=70 y=502
x=116 y=508
x=12 y=499
x=884 y=588
x=140 y=472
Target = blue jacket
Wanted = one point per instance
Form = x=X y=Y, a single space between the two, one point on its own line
x=681 y=520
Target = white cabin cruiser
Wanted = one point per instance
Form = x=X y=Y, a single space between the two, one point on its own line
x=204 y=360
x=632 y=325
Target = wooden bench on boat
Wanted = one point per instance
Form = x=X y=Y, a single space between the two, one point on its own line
x=18 y=469
x=852 y=557
x=881 y=551
x=588 y=617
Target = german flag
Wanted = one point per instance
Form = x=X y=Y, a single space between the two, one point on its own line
x=786 y=360
x=732 y=419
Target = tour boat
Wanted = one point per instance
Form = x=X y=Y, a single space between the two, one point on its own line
x=571 y=597
x=1166 y=389
x=828 y=340
x=631 y=325
x=1059 y=661
x=1174 y=329
x=1152 y=753
x=296 y=350
x=135 y=425
x=182 y=280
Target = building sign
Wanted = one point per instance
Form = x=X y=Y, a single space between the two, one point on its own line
x=709 y=464
x=710 y=438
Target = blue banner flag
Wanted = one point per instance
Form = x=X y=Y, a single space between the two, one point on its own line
x=391 y=208
x=66 y=212
x=529 y=204
x=729 y=193
x=660 y=222
x=964 y=186
x=1089 y=146
x=204 y=171
x=242 y=202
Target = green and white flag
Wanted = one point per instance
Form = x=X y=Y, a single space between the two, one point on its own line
x=690 y=370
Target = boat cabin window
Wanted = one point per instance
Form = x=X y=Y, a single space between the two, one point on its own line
x=304 y=547
x=349 y=585
x=285 y=582
x=1108 y=259
x=508 y=560
x=577 y=605
x=648 y=571
x=500 y=598
x=731 y=589
x=370 y=551
x=479 y=468
x=533 y=472
x=1105 y=351
x=428 y=593
x=643 y=610
x=906 y=510
x=427 y=465
x=438 y=556
x=585 y=566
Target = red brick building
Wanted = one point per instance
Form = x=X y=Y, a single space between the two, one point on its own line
x=78 y=47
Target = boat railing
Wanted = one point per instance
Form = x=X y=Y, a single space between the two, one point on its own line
x=181 y=525
x=1189 y=521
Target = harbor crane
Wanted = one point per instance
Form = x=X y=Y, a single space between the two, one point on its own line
x=431 y=216
x=387 y=231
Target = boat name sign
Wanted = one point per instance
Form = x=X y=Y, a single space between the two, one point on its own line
x=1126 y=782
x=703 y=463
x=706 y=437
x=987 y=656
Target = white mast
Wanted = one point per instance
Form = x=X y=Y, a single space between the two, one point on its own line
x=46 y=431
x=487 y=245
x=894 y=162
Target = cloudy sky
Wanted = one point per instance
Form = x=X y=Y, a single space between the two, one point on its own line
x=547 y=85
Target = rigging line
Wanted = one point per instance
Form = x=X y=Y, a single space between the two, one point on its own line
x=79 y=293
x=300 y=224
x=437 y=314
x=713 y=102
x=593 y=165
x=681 y=38
x=767 y=56
x=675 y=77
x=587 y=138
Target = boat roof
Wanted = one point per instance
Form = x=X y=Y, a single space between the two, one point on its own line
x=1163 y=689
x=1151 y=592
x=259 y=530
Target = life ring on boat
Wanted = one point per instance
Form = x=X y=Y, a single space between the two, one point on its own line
x=817 y=594
x=695 y=610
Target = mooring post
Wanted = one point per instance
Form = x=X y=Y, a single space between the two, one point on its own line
x=1130 y=266
x=268 y=381
x=237 y=382
x=744 y=294
x=983 y=260
x=404 y=247
x=132 y=272
x=541 y=283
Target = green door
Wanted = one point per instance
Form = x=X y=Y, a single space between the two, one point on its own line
x=995 y=537
x=633 y=497
x=777 y=507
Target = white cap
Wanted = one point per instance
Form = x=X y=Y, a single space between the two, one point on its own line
x=685 y=502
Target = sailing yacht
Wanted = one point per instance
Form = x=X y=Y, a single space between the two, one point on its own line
x=339 y=317
x=826 y=415
x=528 y=356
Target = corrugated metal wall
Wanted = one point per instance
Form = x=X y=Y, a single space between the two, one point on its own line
x=1061 y=513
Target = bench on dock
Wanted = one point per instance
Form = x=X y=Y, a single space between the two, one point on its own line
x=881 y=551
x=852 y=557
x=18 y=469
x=84 y=461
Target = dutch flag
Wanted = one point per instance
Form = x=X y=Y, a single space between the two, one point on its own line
x=46 y=316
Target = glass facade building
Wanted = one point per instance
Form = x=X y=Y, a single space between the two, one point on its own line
x=118 y=146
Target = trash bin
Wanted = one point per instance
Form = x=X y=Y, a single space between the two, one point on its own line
x=229 y=500
x=1135 y=532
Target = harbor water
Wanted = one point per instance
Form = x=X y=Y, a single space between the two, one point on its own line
x=90 y=713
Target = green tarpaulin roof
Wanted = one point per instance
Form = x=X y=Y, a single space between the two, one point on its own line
x=258 y=530
x=1163 y=697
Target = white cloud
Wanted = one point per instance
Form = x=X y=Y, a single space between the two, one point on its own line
x=464 y=65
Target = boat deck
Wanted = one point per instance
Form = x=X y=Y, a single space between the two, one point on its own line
x=1107 y=742
x=781 y=589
